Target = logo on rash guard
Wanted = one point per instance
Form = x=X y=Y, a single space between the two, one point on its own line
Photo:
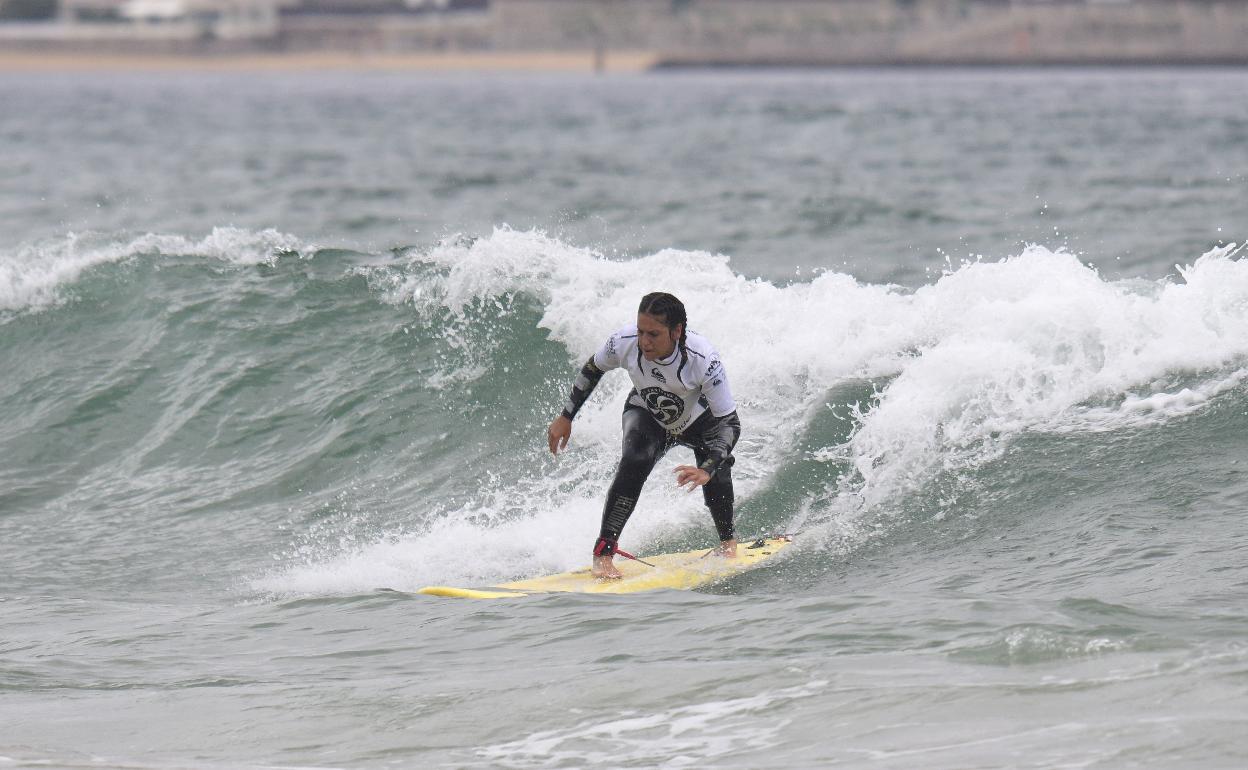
x=666 y=407
x=656 y=374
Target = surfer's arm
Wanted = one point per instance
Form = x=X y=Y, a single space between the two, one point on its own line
x=716 y=389
x=601 y=362
x=721 y=433
x=584 y=384
x=560 y=430
x=721 y=430
x=719 y=438
x=606 y=359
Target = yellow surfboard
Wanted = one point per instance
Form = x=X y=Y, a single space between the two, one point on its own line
x=681 y=571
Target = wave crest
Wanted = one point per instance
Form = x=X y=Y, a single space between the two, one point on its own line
x=33 y=277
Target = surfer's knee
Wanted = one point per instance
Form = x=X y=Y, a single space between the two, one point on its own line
x=636 y=462
x=644 y=442
x=637 y=459
x=630 y=477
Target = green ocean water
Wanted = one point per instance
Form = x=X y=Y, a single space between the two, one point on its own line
x=279 y=351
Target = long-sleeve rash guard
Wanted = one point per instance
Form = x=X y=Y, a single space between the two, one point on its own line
x=677 y=391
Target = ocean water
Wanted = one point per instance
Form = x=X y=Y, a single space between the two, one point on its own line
x=277 y=351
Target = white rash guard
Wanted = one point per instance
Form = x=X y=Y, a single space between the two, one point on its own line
x=677 y=389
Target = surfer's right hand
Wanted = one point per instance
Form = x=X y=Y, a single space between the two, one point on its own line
x=558 y=433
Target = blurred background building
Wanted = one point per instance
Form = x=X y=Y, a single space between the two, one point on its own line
x=676 y=32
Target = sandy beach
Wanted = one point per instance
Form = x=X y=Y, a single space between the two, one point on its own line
x=510 y=61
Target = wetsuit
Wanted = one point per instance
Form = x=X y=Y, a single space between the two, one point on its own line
x=682 y=399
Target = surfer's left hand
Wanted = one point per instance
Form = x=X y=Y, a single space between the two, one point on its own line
x=692 y=476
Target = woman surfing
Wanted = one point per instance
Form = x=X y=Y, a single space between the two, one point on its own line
x=680 y=396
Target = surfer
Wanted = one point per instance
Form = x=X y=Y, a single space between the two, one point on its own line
x=680 y=396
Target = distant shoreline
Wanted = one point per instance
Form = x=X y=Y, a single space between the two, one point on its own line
x=510 y=61
x=524 y=61
x=1105 y=62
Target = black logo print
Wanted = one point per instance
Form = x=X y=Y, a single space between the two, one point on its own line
x=666 y=407
x=656 y=374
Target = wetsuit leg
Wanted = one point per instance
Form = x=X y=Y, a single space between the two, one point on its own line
x=718 y=495
x=645 y=441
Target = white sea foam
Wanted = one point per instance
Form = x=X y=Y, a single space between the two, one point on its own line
x=1035 y=342
x=34 y=276
x=508 y=533
x=683 y=736
x=989 y=351
x=443 y=554
x=783 y=346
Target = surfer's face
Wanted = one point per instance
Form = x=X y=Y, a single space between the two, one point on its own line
x=655 y=339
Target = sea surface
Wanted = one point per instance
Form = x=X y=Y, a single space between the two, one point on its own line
x=276 y=351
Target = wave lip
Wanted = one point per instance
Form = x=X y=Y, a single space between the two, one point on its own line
x=32 y=278
x=1040 y=342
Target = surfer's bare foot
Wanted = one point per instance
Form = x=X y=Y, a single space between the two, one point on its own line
x=604 y=569
x=727 y=549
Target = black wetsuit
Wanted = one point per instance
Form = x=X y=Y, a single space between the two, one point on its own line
x=689 y=384
x=645 y=442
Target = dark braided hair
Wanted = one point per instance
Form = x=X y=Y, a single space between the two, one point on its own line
x=662 y=305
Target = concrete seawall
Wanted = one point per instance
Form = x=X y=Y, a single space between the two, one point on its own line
x=676 y=33
x=846 y=32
